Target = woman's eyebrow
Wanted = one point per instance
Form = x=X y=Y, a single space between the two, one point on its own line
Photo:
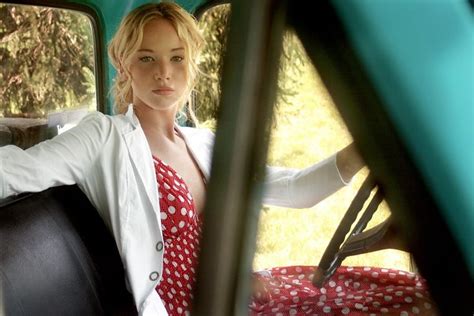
x=151 y=50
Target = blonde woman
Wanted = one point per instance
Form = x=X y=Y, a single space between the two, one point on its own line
x=147 y=176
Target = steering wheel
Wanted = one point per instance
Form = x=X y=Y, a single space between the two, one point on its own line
x=358 y=241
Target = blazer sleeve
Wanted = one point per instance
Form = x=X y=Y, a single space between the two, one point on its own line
x=63 y=160
x=302 y=188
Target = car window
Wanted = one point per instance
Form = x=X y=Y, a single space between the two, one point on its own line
x=307 y=128
x=47 y=72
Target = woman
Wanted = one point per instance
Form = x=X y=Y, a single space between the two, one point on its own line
x=146 y=176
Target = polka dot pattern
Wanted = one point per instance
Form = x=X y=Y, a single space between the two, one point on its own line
x=181 y=232
x=350 y=291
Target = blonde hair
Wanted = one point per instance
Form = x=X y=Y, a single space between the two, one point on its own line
x=128 y=38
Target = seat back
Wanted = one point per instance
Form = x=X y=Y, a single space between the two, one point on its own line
x=58 y=258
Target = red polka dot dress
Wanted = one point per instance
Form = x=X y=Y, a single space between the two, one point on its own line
x=181 y=232
x=283 y=290
x=350 y=291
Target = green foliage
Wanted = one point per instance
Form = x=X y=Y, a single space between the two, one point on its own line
x=214 y=26
x=46 y=60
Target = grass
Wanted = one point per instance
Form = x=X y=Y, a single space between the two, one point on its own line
x=309 y=129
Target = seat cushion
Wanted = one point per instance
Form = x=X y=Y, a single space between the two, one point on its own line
x=58 y=258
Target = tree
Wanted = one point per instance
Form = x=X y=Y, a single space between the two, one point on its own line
x=46 y=60
x=214 y=26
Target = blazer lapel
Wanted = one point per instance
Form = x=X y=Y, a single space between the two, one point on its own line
x=142 y=162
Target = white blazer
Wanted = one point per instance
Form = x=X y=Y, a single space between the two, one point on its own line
x=108 y=157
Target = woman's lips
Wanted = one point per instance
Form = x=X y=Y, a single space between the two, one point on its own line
x=163 y=91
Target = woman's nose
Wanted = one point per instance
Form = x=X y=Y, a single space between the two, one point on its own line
x=162 y=71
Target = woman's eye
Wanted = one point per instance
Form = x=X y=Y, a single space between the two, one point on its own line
x=146 y=59
x=177 y=59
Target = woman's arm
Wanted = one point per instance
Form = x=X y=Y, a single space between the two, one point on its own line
x=349 y=162
x=306 y=187
x=64 y=159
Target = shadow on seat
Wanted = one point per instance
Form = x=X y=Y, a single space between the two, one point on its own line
x=58 y=258
x=359 y=240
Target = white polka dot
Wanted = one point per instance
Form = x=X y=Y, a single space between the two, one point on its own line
x=418 y=294
x=323 y=290
x=374 y=274
x=167 y=187
x=163 y=215
x=373 y=286
x=183 y=211
x=408 y=299
x=181 y=224
x=180 y=310
x=170 y=197
x=296 y=299
x=356 y=285
x=322 y=298
x=359 y=306
x=346 y=310
x=293 y=293
x=283 y=271
x=327 y=309
x=398 y=293
x=332 y=283
x=293 y=311
x=387 y=298
x=341 y=294
x=301 y=276
x=396 y=305
x=181 y=198
x=350 y=268
x=171 y=209
x=384 y=310
x=367 y=269
x=338 y=301
x=403 y=313
x=174 y=229
x=338 y=288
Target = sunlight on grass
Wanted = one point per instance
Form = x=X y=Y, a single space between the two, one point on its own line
x=309 y=129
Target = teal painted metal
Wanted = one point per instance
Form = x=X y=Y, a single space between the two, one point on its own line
x=110 y=14
x=420 y=57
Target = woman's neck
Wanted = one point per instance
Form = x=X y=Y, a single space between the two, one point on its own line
x=156 y=123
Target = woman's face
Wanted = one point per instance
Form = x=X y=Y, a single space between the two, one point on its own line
x=159 y=69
